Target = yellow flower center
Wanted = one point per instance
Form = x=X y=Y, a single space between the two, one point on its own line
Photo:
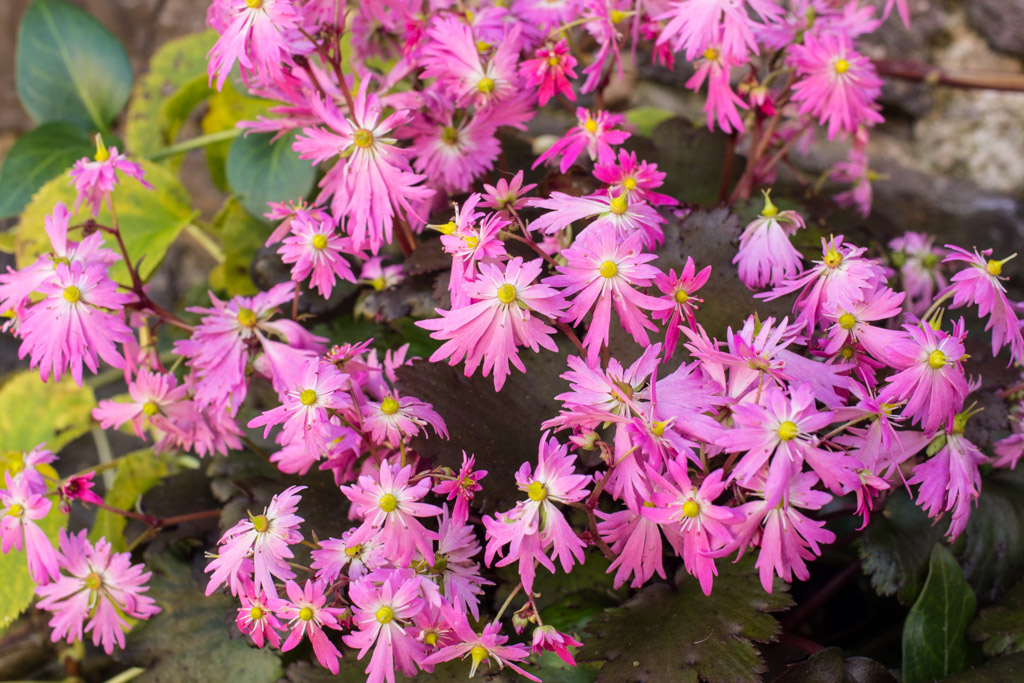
x=389 y=406
x=994 y=267
x=72 y=294
x=307 y=397
x=711 y=54
x=847 y=321
x=378 y=283
x=536 y=491
x=354 y=550
x=842 y=66
x=93 y=581
x=617 y=16
x=479 y=654
x=937 y=359
x=506 y=293
x=388 y=503
x=681 y=296
x=385 y=614
x=472 y=241
x=256 y=613
x=319 y=241
x=691 y=509
x=833 y=258
x=15 y=510
x=619 y=205
x=553 y=60
x=362 y=138
x=254 y=4
x=102 y=154
x=846 y=352
x=305 y=613
x=658 y=428
x=150 y=408
x=482 y=46
x=430 y=638
x=260 y=523
x=608 y=269
x=629 y=184
x=450 y=135
x=246 y=317
x=486 y=85
x=590 y=125
x=788 y=430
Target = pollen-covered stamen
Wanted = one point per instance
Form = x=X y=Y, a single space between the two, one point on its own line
x=553 y=60
x=388 y=503
x=847 y=321
x=682 y=296
x=319 y=241
x=485 y=85
x=385 y=615
x=72 y=294
x=362 y=138
x=841 y=66
x=608 y=269
x=590 y=125
x=430 y=637
x=937 y=359
x=102 y=154
x=15 y=510
x=256 y=613
x=472 y=241
x=629 y=184
x=788 y=430
x=833 y=259
x=150 y=408
x=450 y=135
x=307 y=397
x=846 y=352
x=995 y=268
x=254 y=4
x=619 y=205
x=537 y=491
x=260 y=523
x=711 y=54
x=246 y=317
x=389 y=406
x=378 y=283
x=306 y=613
x=617 y=16
x=507 y=293
x=93 y=581
x=691 y=509
x=354 y=550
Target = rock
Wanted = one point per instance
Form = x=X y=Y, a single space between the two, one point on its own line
x=999 y=21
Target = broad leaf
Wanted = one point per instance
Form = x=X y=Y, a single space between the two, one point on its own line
x=166 y=95
x=18 y=587
x=1001 y=627
x=227 y=108
x=261 y=171
x=666 y=634
x=137 y=472
x=70 y=67
x=998 y=670
x=194 y=638
x=150 y=220
x=992 y=554
x=934 y=634
x=240 y=236
x=895 y=547
x=829 y=665
x=33 y=412
x=645 y=119
x=35 y=158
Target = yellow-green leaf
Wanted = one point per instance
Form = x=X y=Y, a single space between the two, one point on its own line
x=18 y=587
x=137 y=472
x=32 y=412
x=240 y=236
x=227 y=108
x=150 y=220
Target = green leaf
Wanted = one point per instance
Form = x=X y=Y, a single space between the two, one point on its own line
x=895 y=547
x=194 y=638
x=1001 y=627
x=666 y=634
x=646 y=119
x=166 y=95
x=19 y=588
x=998 y=670
x=35 y=158
x=69 y=67
x=261 y=171
x=829 y=665
x=32 y=412
x=150 y=220
x=934 y=634
x=137 y=472
x=992 y=553
x=227 y=108
x=240 y=236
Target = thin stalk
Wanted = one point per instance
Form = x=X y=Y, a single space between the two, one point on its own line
x=197 y=142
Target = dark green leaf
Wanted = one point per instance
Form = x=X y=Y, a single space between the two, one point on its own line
x=934 y=634
x=194 y=638
x=1008 y=669
x=228 y=107
x=992 y=554
x=895 y=547
x=1001 y=627
x=35 y=158
x=829 y=665
x=666 y=634
x=646 y=119
x=69 y=66
x=261 y=171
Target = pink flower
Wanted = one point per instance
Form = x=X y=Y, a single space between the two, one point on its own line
x=695 y=25
x=453 y=151
x=264 y=539
x=384 y=610
x=679 y=291
x=980 y=284
x=95 y=179
x=486 y=645
x=507 y=195
x=337 y=555
x=766 y=257
x=380 y=276
x=78 y=487
x=257 y=617
x=547 y=638
x=400 y=417
x=615 y=210
x=371 y=182
x=500 y=320
x=535 y=525
x=715 y=67
x=454 y=58
x=594 y=134
x=918 y=260
x=100 y=586
x=308 y=617
x=550 y=72
x=637 y=178
x=462 y=487
x=389 y=507
x=18 y=528
x=312 y=247
x=72 y=325
x=155 y=397
x=601 y=271
x=950 y=481
x=458 y=574
x=471 y=237
x=255 y=36
x=852 y=324
x=837 y=84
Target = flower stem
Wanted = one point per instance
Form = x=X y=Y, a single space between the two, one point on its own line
x=195 y=143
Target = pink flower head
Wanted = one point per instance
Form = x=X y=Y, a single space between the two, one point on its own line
x=371 y=182
x=931 y=375
x=18 y=528
x=550 y=72
x=679 y=292
x=594 y=134
x=488 y=645
x=852 y=324
x=263 y=539
x=918 y=259
x=462 y=487
x=535 y=525
x=458 y=574
x=627 y=217
x=78 y=487
x=307 y=616
x=507 y=195
x=548 y=639
x=396 y=418
x=637 y=178
x=695 y=25
x=95 y=179
x=722 y=105
x=155 y=397
x=453 y=56
x=471 y=237
x=348 y=555
x=255 y=36
x=389 y=508
x=383 y=613
x=257 y=616
x=636 y=541
x=980 y=284
x=98 y=593
x=766 y=257
x=950 y=481
x=313 y=248
x=837 y=84
x=501 y=318
x=602 y=270
x=380 y=276
x=72 y=325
